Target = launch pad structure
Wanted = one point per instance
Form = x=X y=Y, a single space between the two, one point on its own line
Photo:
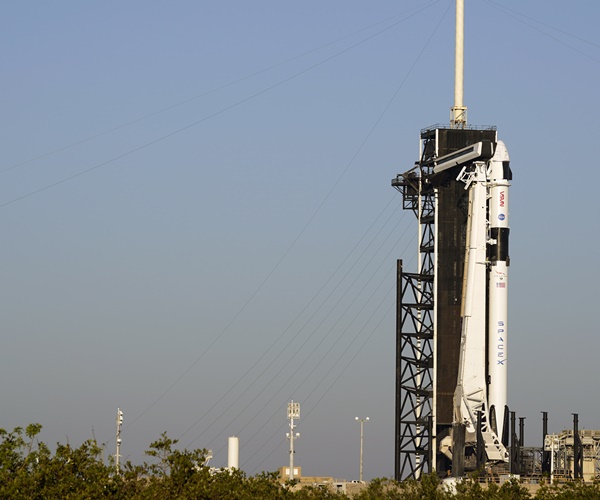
x=452 y=323
x=452 y=314
x=428 y=337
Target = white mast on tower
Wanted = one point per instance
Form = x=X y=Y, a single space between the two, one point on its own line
x=458 y=113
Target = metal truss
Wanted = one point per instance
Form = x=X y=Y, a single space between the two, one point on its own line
x=415 y=427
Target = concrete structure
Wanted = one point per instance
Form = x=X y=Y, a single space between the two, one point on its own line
x=563 y=450
x=285 y=473
x=334 y=485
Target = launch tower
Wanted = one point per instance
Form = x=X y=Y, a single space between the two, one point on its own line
x=452 y=313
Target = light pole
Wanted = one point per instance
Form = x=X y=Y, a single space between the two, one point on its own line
x=362 y=437
x=118 y=454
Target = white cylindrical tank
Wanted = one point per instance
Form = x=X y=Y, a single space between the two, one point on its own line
x=233 y=453
x=498 y=285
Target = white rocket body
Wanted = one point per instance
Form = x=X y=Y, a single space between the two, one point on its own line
x=498 y=182
x=482 y=387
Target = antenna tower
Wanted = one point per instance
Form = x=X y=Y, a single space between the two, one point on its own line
x=293 y=413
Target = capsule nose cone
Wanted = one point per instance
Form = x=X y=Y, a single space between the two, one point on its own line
x=501 y=153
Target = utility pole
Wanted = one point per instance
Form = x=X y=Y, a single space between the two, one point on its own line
x=118 y=454
x=362 y=436
x=293 y=412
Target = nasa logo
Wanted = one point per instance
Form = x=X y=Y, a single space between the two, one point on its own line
x=501 y=198
x=501 y=217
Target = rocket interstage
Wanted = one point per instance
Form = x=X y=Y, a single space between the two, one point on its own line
x=499 y=175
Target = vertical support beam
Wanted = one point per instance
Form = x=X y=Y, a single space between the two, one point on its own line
x=480 y=452
x=514 y=446
x=545 y=454
x=458 y=450
x=505 y=428
x=577 y=449
x=398 y=431
x=362 y=438
x=432 y=269
x=521 y=443
x=431 y=449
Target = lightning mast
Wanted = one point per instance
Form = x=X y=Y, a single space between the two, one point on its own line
x=458 y=113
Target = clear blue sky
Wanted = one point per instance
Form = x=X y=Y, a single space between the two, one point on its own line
x=231 y=240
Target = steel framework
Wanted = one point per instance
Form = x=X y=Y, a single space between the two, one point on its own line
x=428 y=320
x=415 y=360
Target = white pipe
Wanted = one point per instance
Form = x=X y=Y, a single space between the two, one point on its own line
x=233 y=453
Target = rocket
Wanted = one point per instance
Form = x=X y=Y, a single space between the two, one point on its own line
x=499 y=175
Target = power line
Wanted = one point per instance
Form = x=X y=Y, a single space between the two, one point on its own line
x=295 y=390
x=336 y=378
x=392 y=99
x=556 y=39
x=208 y=92
x=210 y=116
x=316 y=329
x=318 y=209
x=314 y=297
x=385 y=258
x=504 y=7
x=410 y=70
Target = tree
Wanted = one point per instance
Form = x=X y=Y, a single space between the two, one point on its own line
x=30 y=470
